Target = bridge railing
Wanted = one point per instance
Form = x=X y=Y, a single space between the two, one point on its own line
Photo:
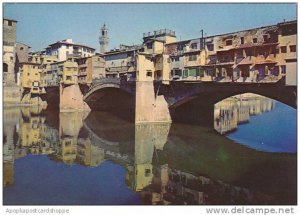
x=123 y=82
x=106 y=81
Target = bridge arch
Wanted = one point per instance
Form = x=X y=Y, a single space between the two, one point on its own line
x=219 y=92
x=112 y=97
x=194 y=102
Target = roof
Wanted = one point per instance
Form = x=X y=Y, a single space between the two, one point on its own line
x=23 y=44
x=217 y=35
x=288 y=22
x=31 y=63
x=155 y=39
x=9 y=19
x=117 y=52
x=181 y=41
x=68 y=43
x=250 y=45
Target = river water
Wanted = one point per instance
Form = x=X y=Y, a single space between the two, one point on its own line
x=96 y=158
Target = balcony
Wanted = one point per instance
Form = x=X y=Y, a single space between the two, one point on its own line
x=118 y=69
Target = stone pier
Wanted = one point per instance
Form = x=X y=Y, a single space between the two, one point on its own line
x=11 y=95
x=148 y=106
x=71 y=99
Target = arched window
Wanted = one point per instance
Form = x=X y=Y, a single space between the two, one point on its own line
x=5 y=67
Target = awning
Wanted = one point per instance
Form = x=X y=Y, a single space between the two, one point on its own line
x=265 y=62
x=246 y=61
x=225 y=64
x=251 y=45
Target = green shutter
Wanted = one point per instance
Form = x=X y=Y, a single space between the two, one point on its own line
x=193 y=72
x=186 y=73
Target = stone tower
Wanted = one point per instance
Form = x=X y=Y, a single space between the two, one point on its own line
x=9 y=43
x=103 y=39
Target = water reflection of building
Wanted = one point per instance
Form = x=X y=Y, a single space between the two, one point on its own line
x=69 y=127
x=34 y=134
x=225 y=115
x=235 y=110
x=148 y=138
x=89 y=154
x=171 y=186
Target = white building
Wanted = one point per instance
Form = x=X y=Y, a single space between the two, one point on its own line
x=65 y=49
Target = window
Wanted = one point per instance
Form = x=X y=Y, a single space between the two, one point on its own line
x=283 y=69
x=69 y=78
x=5 y=67
x=9 y=23
x=289 y=30
x=186 y=73
x=228 y=42
x=68 y=69
x=147 y=172
x=103 y=33
x=149 y=45
x=254 y=40
x=149 y=73
x=283 y=49
x=210 y=47
x=273 y=50
x=242 y=40
x=194 y=45
x=21 y=48
x=192 y=57
x=293 y=48
x=265 y=37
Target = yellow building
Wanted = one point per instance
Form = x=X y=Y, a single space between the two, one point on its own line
x=153 y=63
x=31 y=77
x=70 y=72
x=287 y=52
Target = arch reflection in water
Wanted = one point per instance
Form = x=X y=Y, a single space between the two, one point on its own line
x=231 y=112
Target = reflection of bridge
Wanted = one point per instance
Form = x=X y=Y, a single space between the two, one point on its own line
x=183 y=97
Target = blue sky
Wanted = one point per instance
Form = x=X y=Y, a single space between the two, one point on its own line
x=43 y=24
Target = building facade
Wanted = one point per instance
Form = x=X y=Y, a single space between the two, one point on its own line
x=65 y=49
x=121 y=62
x=90 y=68
x=262 y=54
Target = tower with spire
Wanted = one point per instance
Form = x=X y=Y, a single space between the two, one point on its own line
x=103 y=39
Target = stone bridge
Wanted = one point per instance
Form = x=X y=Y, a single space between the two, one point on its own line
x=150 y=101
x=179 y=92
